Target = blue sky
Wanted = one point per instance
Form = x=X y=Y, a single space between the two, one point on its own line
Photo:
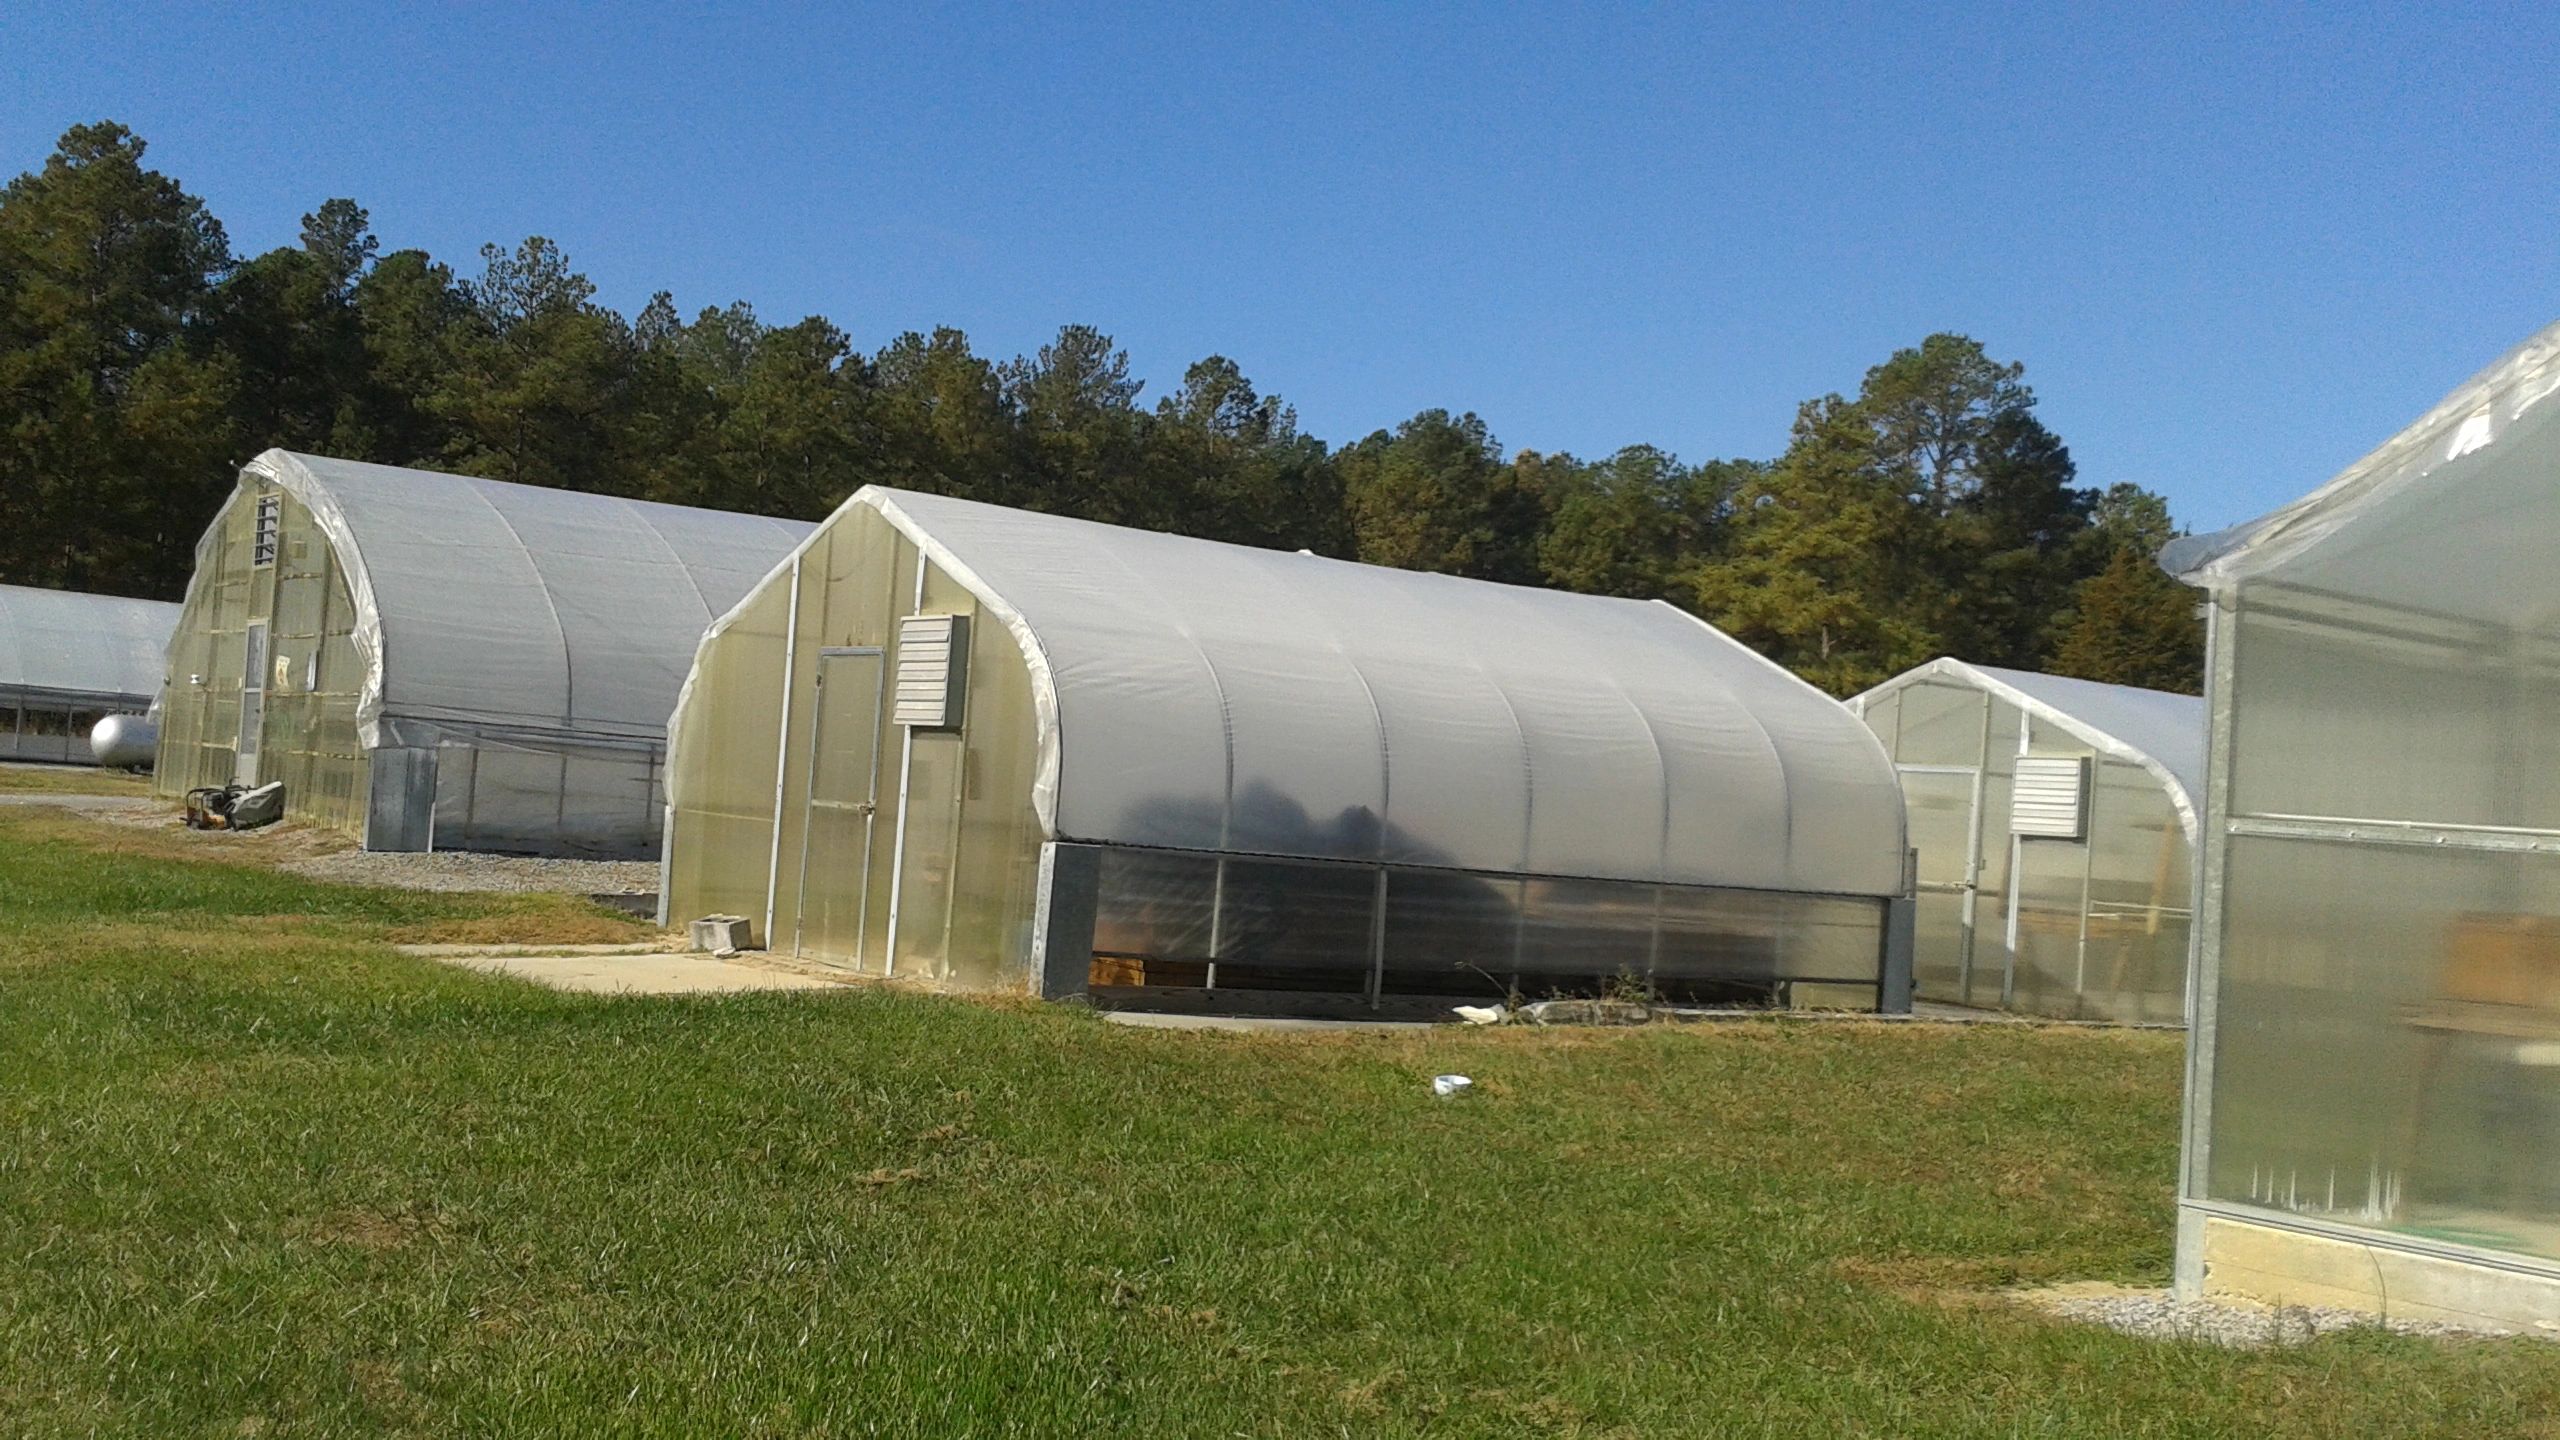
x=2234 y=250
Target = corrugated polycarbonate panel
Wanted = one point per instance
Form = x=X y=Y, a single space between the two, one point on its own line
x=67 y=643
x=1212 y=696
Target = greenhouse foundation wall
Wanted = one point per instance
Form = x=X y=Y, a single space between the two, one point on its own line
x=1167 y=929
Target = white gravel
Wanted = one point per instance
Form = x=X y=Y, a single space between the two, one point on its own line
x=2159 y=1315
x=462 y=870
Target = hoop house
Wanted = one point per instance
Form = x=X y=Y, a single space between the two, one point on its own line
x=2373 y=1110
x=433 y=660
x=69 y=660
x=2055 y=824
x=988 y=748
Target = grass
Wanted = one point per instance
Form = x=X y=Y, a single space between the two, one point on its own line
x=24 y=779
x=260 y=1175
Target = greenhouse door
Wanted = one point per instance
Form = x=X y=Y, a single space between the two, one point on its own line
x=253 y=703
x=844 y=770
x=1941 y=802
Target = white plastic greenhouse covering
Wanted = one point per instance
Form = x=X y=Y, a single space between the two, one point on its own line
x=491 y=606
x=1211 y=697
x=101 y=647
x=2161 y=732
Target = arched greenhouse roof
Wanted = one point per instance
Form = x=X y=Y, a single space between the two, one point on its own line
x=516 y=606
x=1206 y=696
x=2158 y=730
x=64 y=643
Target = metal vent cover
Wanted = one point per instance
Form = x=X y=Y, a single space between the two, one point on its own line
x=932 y=673
x=2050 y=798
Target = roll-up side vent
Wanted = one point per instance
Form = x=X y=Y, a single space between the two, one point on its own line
x=2050 y=799
x=933 y=671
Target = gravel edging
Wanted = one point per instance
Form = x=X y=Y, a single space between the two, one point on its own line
x=2160 y=1315
x=457 y=870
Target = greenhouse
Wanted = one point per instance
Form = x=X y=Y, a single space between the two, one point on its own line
x=68 y=661
x=2373 y=1112
x=438 y=661
x=983 y=748
x=2055 y=824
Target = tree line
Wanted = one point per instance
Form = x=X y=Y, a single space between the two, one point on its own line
x=141 y=361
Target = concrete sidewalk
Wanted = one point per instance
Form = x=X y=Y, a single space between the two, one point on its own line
x=621 y=969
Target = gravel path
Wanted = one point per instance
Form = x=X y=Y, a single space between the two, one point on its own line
x=2158 y=1315
x=462 y=870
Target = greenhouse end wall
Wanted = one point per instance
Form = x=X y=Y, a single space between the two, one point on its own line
x=292 y=597
x=2095 y=928
x=797 y=801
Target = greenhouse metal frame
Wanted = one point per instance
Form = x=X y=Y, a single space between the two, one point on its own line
x=69 y=660
x=2373 y=1099
x=984 y=748
x=437 y=661
x=2064 y=893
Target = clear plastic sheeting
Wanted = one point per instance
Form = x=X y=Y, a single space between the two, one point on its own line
x=69 y=660
x=2380 y=941
x=1218 y=697
x=2089 y=928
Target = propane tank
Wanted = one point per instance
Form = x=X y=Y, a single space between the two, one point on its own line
x=125 y=742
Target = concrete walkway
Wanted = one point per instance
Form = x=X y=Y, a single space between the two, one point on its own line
x=621 y=969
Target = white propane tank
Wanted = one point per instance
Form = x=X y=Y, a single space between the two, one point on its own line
x=125 y=742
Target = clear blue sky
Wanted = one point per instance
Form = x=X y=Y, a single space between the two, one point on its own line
x=2234 y=251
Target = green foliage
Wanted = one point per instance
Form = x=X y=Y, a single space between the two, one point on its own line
x=2131 y=624
x=140 y=362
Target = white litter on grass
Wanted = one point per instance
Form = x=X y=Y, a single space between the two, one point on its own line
x=1445 y=1086
x=1481 y=1014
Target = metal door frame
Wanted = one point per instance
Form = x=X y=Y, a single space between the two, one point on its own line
x=809 y=801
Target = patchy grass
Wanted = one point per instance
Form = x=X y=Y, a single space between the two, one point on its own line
x=19 y=778
x=261 y=1175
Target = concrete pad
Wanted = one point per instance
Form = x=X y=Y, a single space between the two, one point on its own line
x=620 y=971
x=1255 y=1024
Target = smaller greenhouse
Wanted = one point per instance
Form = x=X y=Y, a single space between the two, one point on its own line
x=985 y=748
x=2373 y=1093
x=2055 y=824
x=69 y=660
x=433 y=661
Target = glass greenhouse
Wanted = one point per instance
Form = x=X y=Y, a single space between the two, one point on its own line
x=68 y=661
x=437 y=661
x=2374 y=1096
x=2055 y=823
x=991 y=749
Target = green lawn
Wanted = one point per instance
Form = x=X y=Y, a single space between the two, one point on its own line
x=22 y=779
x=260 y=1175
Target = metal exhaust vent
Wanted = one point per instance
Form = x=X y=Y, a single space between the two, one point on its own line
x=933 y=671
x=2050 y=799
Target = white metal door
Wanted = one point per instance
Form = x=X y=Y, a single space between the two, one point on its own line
x=842 y=799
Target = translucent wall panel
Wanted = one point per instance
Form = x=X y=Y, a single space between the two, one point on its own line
x=2388 y=1022
x=1280 y=925
x=1451 y=934
x=722 y=758
x=2362 y=712
x=1941 y=725
x=2135 y=967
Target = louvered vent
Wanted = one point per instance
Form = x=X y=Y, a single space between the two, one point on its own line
x=2051 y=797
x=933 y=669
